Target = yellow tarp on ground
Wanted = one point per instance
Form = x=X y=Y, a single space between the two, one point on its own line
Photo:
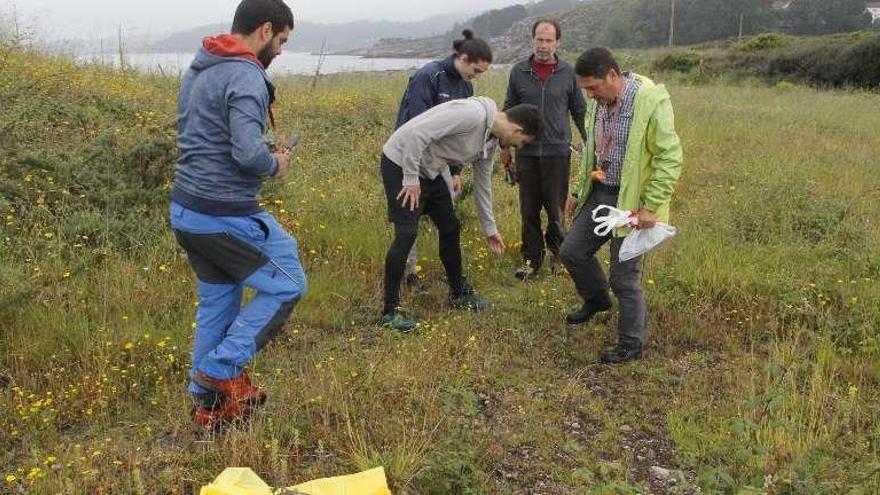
x=237 y=481
x=243 y=481
x=370 y=482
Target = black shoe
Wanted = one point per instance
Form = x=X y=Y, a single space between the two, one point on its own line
x=587 y=311
x=524 y=272
x=412 y=280
x=621 y=354
x=555 y=266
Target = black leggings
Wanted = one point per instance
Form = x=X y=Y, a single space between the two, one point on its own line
x=437 y=204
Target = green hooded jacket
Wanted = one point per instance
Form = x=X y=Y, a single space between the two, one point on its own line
x=653 y=158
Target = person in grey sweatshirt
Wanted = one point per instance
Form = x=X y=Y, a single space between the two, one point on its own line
x=416 y=157
x=438 y=82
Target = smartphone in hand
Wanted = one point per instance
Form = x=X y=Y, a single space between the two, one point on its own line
x=292 y=142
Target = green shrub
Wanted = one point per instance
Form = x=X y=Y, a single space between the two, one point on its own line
x=766 y=41
x=854 y=63
x=844 y=60
x=785 y=86
x=679 y=62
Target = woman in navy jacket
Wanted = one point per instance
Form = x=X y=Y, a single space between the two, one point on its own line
x=438 y=82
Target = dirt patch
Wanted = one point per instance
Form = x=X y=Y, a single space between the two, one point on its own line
x=644 y=441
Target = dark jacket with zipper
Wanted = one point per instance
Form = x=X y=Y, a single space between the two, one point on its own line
x=435 y=83
x=557 y=97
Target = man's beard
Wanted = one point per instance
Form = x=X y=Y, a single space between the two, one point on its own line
x=266 y=55
x=544 y=56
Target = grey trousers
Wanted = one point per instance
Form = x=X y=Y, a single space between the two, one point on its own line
x=578 y=253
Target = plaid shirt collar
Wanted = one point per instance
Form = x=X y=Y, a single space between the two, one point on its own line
x=613 y=123
x=625 y=97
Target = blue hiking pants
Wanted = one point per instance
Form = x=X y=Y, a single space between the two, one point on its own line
x=229 y=253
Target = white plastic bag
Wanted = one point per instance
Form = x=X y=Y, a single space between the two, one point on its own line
x=639 y=242
x=613 y=220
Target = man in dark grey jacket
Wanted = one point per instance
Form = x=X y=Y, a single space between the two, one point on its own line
x=543 y=168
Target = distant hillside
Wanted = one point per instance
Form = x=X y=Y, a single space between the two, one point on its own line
x=637 y=24
x=185 y=41
x=310 y=36
x=507 y=30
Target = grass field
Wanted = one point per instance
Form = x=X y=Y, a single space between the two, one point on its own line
x=762 y=374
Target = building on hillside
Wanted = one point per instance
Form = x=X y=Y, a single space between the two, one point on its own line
x=874 y=9
x=781 y=7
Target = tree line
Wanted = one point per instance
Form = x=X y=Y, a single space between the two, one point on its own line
x=649 y=23
x=686 y=22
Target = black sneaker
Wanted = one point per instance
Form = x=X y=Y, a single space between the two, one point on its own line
x=470 y=301
x=396 y=321
x=621 y=354
x=587 y=311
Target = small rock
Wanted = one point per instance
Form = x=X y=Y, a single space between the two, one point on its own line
x=626 y=429
x=661 y=473
x=666 y=475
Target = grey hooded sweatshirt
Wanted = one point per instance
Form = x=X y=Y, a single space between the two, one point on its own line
x=458 y=131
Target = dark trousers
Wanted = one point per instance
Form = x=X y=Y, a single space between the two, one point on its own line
x=437 y=204
x=543 y=184
x=578 y=252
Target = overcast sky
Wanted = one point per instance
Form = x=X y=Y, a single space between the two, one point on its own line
x=95 y=18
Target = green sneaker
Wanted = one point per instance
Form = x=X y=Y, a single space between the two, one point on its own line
x=470 y=301
x=396 y=321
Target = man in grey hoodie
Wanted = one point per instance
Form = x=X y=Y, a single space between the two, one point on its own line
x=223 y=125
x=413 y=162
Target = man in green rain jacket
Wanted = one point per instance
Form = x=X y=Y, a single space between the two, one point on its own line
x=632 y=160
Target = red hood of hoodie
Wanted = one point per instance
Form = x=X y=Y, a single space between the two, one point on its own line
x=227 y=45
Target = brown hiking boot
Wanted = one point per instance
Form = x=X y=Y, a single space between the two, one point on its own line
x=228 y=411
x=238 y=389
